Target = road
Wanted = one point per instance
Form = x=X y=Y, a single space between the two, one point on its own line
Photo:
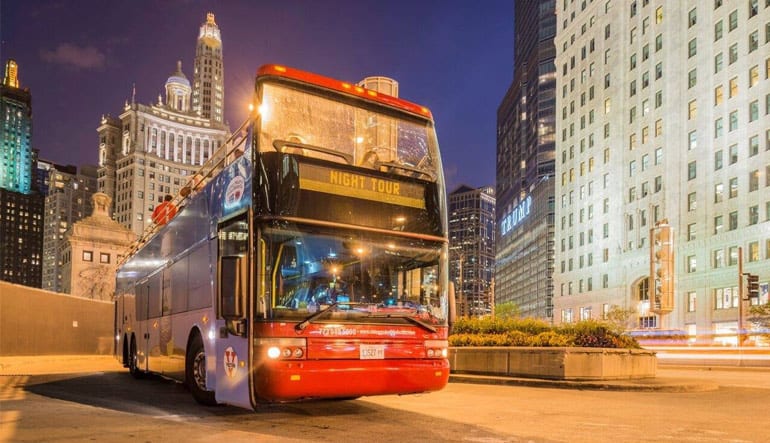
x=111 y=406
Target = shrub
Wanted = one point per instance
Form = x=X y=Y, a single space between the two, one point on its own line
x=533 y=332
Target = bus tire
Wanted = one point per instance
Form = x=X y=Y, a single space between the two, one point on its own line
x=125 y=352
x=133 y=368
x=195 y=372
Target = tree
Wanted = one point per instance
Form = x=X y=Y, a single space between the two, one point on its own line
x=620 y=319
x=508 y=309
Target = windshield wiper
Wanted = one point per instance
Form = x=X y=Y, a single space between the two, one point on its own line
x=299 y=327
x=410 y=319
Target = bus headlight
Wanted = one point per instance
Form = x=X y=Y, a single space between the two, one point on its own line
x=284 y=348
x=436 y=348
x=274 y=352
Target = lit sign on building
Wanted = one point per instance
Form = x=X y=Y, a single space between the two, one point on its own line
x=513 y=218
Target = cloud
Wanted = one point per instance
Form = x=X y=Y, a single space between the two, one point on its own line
x=74 y=56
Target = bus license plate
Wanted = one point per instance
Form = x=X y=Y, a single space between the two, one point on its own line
x=372 y=352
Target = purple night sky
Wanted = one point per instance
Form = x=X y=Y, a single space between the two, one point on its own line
x=80 y=59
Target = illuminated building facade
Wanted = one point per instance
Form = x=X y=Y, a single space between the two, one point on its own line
x=472 y=248
x=208 y=92
x=21 y=205
x=525 y=166
x=150 y=151
x=663 y=115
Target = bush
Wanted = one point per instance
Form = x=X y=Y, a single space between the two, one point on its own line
x=533 y=332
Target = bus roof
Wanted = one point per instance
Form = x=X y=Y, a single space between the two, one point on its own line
x=344 y=87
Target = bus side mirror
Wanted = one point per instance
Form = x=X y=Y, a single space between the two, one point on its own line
x=452 y=306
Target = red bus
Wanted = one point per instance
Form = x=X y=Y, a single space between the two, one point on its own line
x=308 y=262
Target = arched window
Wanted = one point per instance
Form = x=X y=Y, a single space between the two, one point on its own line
x=643 y=289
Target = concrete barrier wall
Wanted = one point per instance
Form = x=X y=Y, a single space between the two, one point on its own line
x=555 y=363
x=37 y=322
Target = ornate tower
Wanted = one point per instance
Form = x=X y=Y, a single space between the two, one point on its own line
x=208 y=95
x=178 y=90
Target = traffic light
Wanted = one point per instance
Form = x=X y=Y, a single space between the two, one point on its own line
x=752 y=283
x=662 y=268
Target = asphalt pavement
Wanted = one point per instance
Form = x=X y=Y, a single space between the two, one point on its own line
x=669 y=378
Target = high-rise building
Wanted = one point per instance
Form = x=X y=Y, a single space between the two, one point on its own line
x=472 y=248
x=525 y=166
x=208 y=91
x=68 y=200
x=663 y=116
x=150 y=151
x=21 y=206
x=16 y=144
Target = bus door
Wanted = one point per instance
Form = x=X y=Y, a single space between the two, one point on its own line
x=233 y=319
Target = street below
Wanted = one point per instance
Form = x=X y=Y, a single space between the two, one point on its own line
x=68 y=403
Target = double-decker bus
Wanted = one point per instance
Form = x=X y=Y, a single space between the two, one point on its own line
x=308 y=258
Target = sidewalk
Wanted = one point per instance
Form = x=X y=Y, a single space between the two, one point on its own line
x=58 y=364
x=657 y=384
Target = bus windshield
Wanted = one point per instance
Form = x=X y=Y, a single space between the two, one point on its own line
x=360 y=276
x=354 y=133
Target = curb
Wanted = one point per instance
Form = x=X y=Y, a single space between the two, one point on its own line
x=641 y=385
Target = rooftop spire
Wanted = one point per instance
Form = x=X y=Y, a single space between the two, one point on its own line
x=11 y=74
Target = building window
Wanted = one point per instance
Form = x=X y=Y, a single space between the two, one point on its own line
x=733 y=121
x=692 y=18
x=718 y=225
x=733 y=87
x=726 y=298
x=753 y=215
x=733 y=154
x=717 y=62
x=718 y=94
x=718 y=127
x=692 y=48
x=692 y=202
x=753 y=41
x=754 y=180
x=753 y=111
x=733 y=192
x=733 y=20
x=732 y=54
x=718 y=192
x=718 y=260
x=692 y=78
x=88 y=256
x=692 y=264
x=718 y=30
x=691 y=170
x=753 y=75
x=691 y=232
x=104 y=257
x=691 y=299
x=718 y=160
x=733 y=221
x=733 y=256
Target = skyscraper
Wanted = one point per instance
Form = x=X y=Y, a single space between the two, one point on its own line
x=21 y=205
x=664 y=110
x=472 y=248
x=208 y=96
x=152 y=150
x=525 y=166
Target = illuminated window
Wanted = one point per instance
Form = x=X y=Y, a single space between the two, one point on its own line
x=659 y=15
x=718 y=225
x=692 y=110
x=753 y=75
x=88 y=256
x=733 y=87
x=718 y=95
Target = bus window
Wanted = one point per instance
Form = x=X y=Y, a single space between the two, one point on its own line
x=233 y=286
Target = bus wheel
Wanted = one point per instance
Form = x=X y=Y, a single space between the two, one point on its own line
x=132 y=361
x=195 y=372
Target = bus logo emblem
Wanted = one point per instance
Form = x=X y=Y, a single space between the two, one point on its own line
x=231 y=361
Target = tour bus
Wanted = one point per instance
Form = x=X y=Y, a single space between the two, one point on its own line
x=307 y=260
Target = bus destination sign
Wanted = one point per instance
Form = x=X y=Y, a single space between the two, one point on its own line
x=366 y=187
